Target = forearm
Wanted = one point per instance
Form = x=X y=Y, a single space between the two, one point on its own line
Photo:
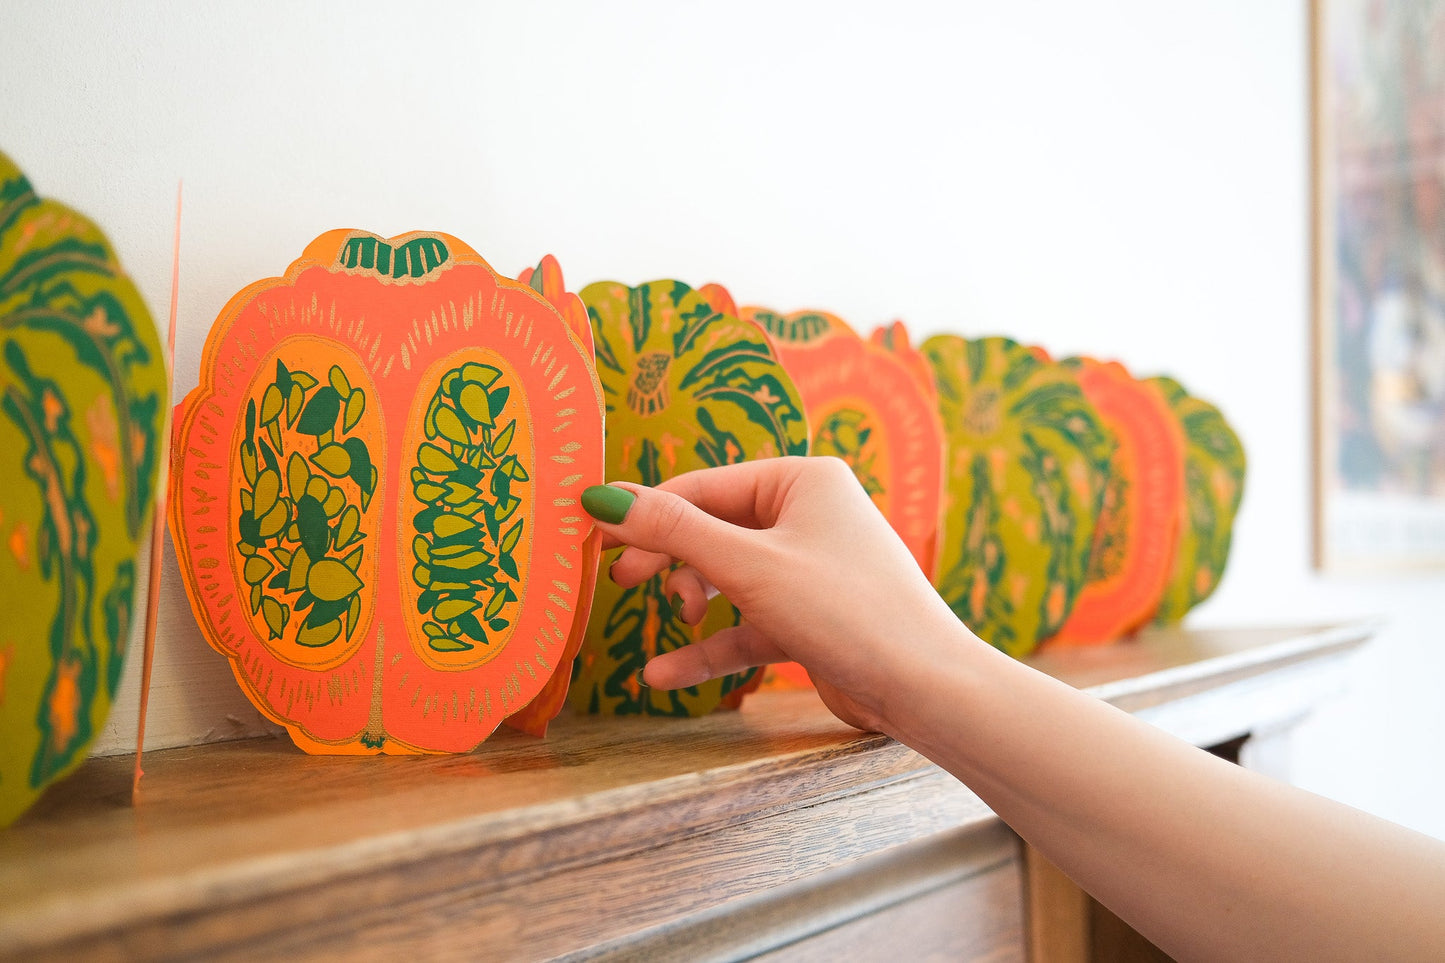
x=1205 y=858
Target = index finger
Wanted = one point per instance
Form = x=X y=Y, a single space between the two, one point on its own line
x=748 y=493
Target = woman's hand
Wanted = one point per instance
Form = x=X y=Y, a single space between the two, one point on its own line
x=798 y=547
x=1207 y=859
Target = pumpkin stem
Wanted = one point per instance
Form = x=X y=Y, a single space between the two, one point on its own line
x=415 y=259
x=647 y=395
x=983 y=415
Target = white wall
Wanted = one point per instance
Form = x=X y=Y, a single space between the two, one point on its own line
x=1125 y=178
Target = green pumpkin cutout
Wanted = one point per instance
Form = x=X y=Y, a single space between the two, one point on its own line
x=82 y=397
x=1214 y=471
x=685 y=387
x=1027 y=459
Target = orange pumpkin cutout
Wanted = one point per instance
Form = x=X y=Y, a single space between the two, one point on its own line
x=720 y=298
x=894 y=339
x=546 y=279
x=375 y=493
x=867 y=407
x=1139 y=519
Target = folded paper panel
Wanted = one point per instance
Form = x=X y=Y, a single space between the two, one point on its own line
x=395 y=564
x=532 y=718
x=686 y=387
x=866 y=407
x=894 y=340
x=869 y=409
x=1214 y=475
x=1027 y=460
x=83 y=392
x=1139 y=517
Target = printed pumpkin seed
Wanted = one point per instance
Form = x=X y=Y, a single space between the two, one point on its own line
x=333 y=459
x=462 y=463
x=289 y=517
x=330 y=580
x=298 y=476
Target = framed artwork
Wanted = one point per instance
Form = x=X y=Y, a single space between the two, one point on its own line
x=1378 y=93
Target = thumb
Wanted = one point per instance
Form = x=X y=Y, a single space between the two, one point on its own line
x=665 y=523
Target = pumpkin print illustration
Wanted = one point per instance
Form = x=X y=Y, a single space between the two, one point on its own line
x=721 y=301
x=720 y=298
x=1026 y=468
x=685 y=387
x=867 y=408
x=894 y=340
x=375 y=494
x=546 y=280
x=1139 y=518
x=82 y=397
x=1214 y=470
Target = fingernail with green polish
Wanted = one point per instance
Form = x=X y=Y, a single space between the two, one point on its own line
x=641 y=682
x=677 y=604
x=607 y=503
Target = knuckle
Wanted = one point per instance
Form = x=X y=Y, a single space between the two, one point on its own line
x=704 y=652
x=669 y=519
x=834 y=469
x=748 y=649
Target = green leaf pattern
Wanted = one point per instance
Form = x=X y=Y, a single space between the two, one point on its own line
x=473 y=487
x=300 y=535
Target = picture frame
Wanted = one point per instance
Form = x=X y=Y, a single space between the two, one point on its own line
x=1378 y=273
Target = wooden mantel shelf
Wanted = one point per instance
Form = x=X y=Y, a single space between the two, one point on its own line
x=721 y=837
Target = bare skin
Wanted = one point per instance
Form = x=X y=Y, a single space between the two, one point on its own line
x=1208 y=860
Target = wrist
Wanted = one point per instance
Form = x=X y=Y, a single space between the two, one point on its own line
x=929 y=689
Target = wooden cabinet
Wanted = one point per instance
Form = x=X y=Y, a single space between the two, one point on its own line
x=772 y=832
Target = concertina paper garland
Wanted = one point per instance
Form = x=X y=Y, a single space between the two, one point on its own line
x=686 y=387
x=82 y=397
x=375 y=495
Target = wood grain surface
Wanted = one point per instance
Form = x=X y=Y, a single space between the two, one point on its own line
x=583 y=843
